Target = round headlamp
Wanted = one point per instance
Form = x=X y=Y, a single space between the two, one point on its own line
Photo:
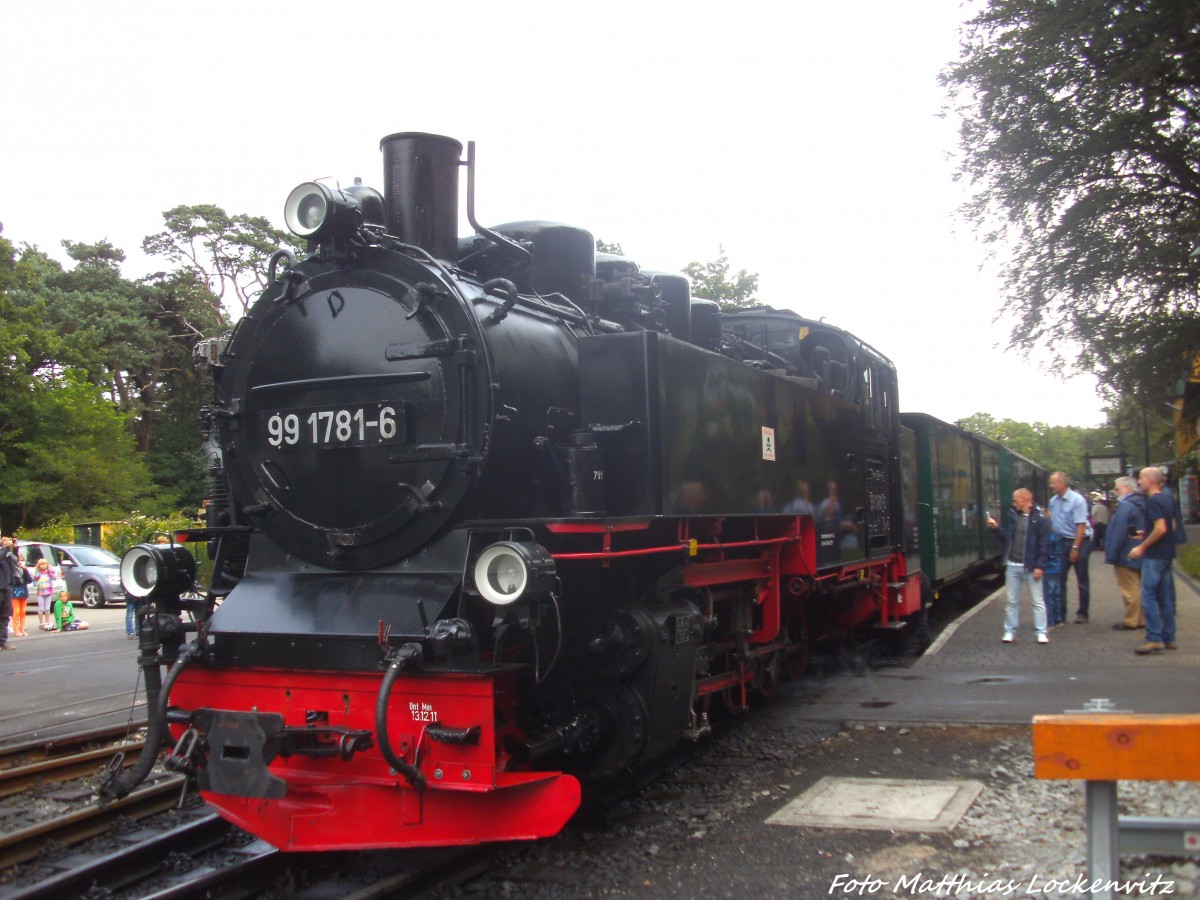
x=157 y=570
x=510 y=571
x=307 y=209
x=314 y=210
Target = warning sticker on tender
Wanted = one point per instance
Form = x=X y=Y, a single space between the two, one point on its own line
x=422 y=712
x=768 y=435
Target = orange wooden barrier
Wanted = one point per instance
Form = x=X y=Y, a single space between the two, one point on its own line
x=1117 y=747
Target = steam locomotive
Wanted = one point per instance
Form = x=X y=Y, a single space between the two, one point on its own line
x=496 y=517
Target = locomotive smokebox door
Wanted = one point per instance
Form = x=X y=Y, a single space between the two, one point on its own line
x=356 y=411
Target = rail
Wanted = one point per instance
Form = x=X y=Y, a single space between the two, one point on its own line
x=1102 y=749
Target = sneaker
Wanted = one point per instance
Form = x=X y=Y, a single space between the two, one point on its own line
x=1121 y=626
x=1148 y=647
x=131 y=636
x=1170 y=645
x=1043 y=639
x=1008 y=637
x=1081 y=619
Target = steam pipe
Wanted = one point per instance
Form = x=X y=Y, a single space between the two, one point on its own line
x=120 y=784
x=486 y=232
x=414 y=775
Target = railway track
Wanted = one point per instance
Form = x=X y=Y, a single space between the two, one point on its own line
x=216 y=865
x=17 y=778
x=42 y=749
x=163 y=857
x=86 y=822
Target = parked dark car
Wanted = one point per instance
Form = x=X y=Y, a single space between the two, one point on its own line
x=92 y=574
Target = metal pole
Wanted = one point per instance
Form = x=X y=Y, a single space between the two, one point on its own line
x=1102 y=860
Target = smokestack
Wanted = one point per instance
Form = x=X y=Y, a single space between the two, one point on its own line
x=421 y=175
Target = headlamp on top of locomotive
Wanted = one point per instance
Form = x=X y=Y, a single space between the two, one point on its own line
x=318 y=212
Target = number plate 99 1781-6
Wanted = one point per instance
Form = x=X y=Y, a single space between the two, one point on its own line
x=322 y=428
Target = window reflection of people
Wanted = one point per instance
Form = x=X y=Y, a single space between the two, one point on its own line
x=838 y=524
x=800 y=505
x=692 y=497
x=764 y=501
x=831 y=508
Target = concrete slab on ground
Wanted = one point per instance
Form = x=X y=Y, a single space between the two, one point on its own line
x=890 y=804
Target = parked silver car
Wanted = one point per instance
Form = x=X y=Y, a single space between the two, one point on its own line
x=92 y=574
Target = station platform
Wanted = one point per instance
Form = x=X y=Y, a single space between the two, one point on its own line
x=968 y=676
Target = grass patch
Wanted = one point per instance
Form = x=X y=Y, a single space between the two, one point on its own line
x=1189 y=559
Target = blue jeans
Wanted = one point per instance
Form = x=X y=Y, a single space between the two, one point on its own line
x=1063 y=552
x=1015 y=576
x=1056 y=607
x=131 y=616
x=1158 y=600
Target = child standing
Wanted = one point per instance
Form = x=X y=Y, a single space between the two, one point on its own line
x=64 y=615
x=43 y=589
x=20 y=598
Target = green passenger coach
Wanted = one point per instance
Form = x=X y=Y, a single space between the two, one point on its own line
x=962 y=478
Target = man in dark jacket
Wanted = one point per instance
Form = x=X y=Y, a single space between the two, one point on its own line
x=1125 y=531
x=1026 y=538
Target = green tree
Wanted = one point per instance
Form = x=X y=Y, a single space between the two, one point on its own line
x=75 y=455
x=227 y=252
x=1064 y=447
x=132 y=339
x=1081 y=137
x=1020 y=437
x=713 y=281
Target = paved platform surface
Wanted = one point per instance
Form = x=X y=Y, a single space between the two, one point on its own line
x=969 y=676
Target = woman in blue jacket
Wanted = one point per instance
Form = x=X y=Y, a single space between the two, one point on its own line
x=1125 y=531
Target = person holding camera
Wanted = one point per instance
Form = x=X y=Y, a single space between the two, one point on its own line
x=1026 y=538
x=11 y=574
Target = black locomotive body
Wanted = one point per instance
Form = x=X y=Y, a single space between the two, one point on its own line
x=498 y=516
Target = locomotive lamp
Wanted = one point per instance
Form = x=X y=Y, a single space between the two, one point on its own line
x=156 y=571
x=509 y=571
x=314 y=210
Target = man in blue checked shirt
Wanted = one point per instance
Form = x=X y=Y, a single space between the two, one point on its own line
x=1071 y=540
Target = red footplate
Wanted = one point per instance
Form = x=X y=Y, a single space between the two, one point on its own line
x=473 y=791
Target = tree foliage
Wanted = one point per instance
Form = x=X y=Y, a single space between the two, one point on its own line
x=226 y=252
x=73 y=453
x=1131 y=433
x=99 y=399
x=713 y=281
x=1081 y=137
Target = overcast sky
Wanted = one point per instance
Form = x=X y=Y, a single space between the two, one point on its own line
x=805 y=138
